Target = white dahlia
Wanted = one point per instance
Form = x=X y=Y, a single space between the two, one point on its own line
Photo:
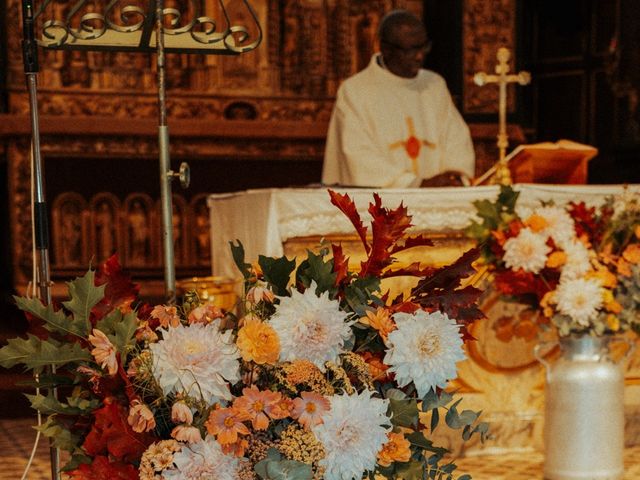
x=310 y=327
x=527 y=251
x=424 y=350
x=577 y=263
x=203 y=460
x=196 y=360
x=580 y=299
x=560 y=225
x=353 y=431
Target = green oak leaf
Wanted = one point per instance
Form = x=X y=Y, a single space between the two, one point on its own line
x=36 y=354
x=84 y=296
x=56 y=321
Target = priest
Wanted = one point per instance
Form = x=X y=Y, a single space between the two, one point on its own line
x=394 y=124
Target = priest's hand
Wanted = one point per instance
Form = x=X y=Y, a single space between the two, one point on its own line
x=450 y=178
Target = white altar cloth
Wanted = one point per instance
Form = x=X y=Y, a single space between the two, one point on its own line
x=266 y=218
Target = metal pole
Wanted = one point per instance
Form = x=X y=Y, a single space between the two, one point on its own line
x=40 y=214
x=166 y=175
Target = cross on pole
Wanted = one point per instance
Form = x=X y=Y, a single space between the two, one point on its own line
x=502 y=78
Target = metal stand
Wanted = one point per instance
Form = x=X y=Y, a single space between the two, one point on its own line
x=126 y=26
x=40 y=214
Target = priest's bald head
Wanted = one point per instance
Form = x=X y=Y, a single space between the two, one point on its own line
x=403 y=43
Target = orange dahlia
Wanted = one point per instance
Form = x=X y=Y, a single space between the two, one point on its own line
x=258 y=342
x=395 y=450
x=537 y=223
x=381 y=321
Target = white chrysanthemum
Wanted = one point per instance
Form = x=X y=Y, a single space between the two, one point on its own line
x=424 y=350
x=310 y=327
x=197 y=360
x=577 y=263
x=527 y=251
x=560 y=225
x=203 y=460
x=352 y=433
x=580 y=299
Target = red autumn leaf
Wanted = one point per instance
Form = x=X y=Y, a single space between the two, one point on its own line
x=110 y=433
x=521 y=284
x=413 y=270
x=119 y=292
x=588 y=222
x=387 y=227
x=348 y=207
x=405 y=307
x=340 y=264
x=103 y=469
x=410 y=242
x=442 y=291
x=450 y=276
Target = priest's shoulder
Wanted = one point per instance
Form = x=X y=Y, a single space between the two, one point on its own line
x=431 y=79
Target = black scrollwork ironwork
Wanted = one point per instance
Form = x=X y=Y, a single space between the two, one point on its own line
x=129 y=25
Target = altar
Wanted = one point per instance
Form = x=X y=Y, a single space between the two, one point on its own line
x=502 y=378
x=275 y=222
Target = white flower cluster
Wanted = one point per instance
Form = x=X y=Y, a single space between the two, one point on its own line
x=424 y=350
x=310 y=327
x=196 y=360
x=576 y=296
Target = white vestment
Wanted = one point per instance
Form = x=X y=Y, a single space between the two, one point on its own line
x=389 y=131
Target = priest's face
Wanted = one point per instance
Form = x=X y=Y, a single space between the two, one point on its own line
x=405 y=49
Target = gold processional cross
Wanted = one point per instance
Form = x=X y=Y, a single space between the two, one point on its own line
x=501 y=77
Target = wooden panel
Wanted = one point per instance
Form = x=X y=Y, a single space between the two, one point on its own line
x=561 y=107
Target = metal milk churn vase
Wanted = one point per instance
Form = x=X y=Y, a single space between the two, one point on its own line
x=584 y=412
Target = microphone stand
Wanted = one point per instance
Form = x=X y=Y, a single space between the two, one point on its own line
x=40 y=214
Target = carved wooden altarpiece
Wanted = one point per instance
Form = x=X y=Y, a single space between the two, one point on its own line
x=255 y=120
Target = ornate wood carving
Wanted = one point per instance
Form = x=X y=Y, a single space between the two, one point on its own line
x=140 y=249
x=486 y=27
x=69 y=226
x=309 y=48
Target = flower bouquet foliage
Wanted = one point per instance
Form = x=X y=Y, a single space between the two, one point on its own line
x=577 y=267
x=321 y=375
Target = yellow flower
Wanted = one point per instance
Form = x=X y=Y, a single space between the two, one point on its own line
x=381 y=321
x=632 y=253
x=556 y=259
x=613 y=323
x=547 y=300
x=623 y=267
x=536 y=223
x=607 y=279
x=258 y=342
x=610 y=303
x=395 y=450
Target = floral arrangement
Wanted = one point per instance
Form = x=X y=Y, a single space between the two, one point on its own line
x=577 y=267
x=320 y=375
